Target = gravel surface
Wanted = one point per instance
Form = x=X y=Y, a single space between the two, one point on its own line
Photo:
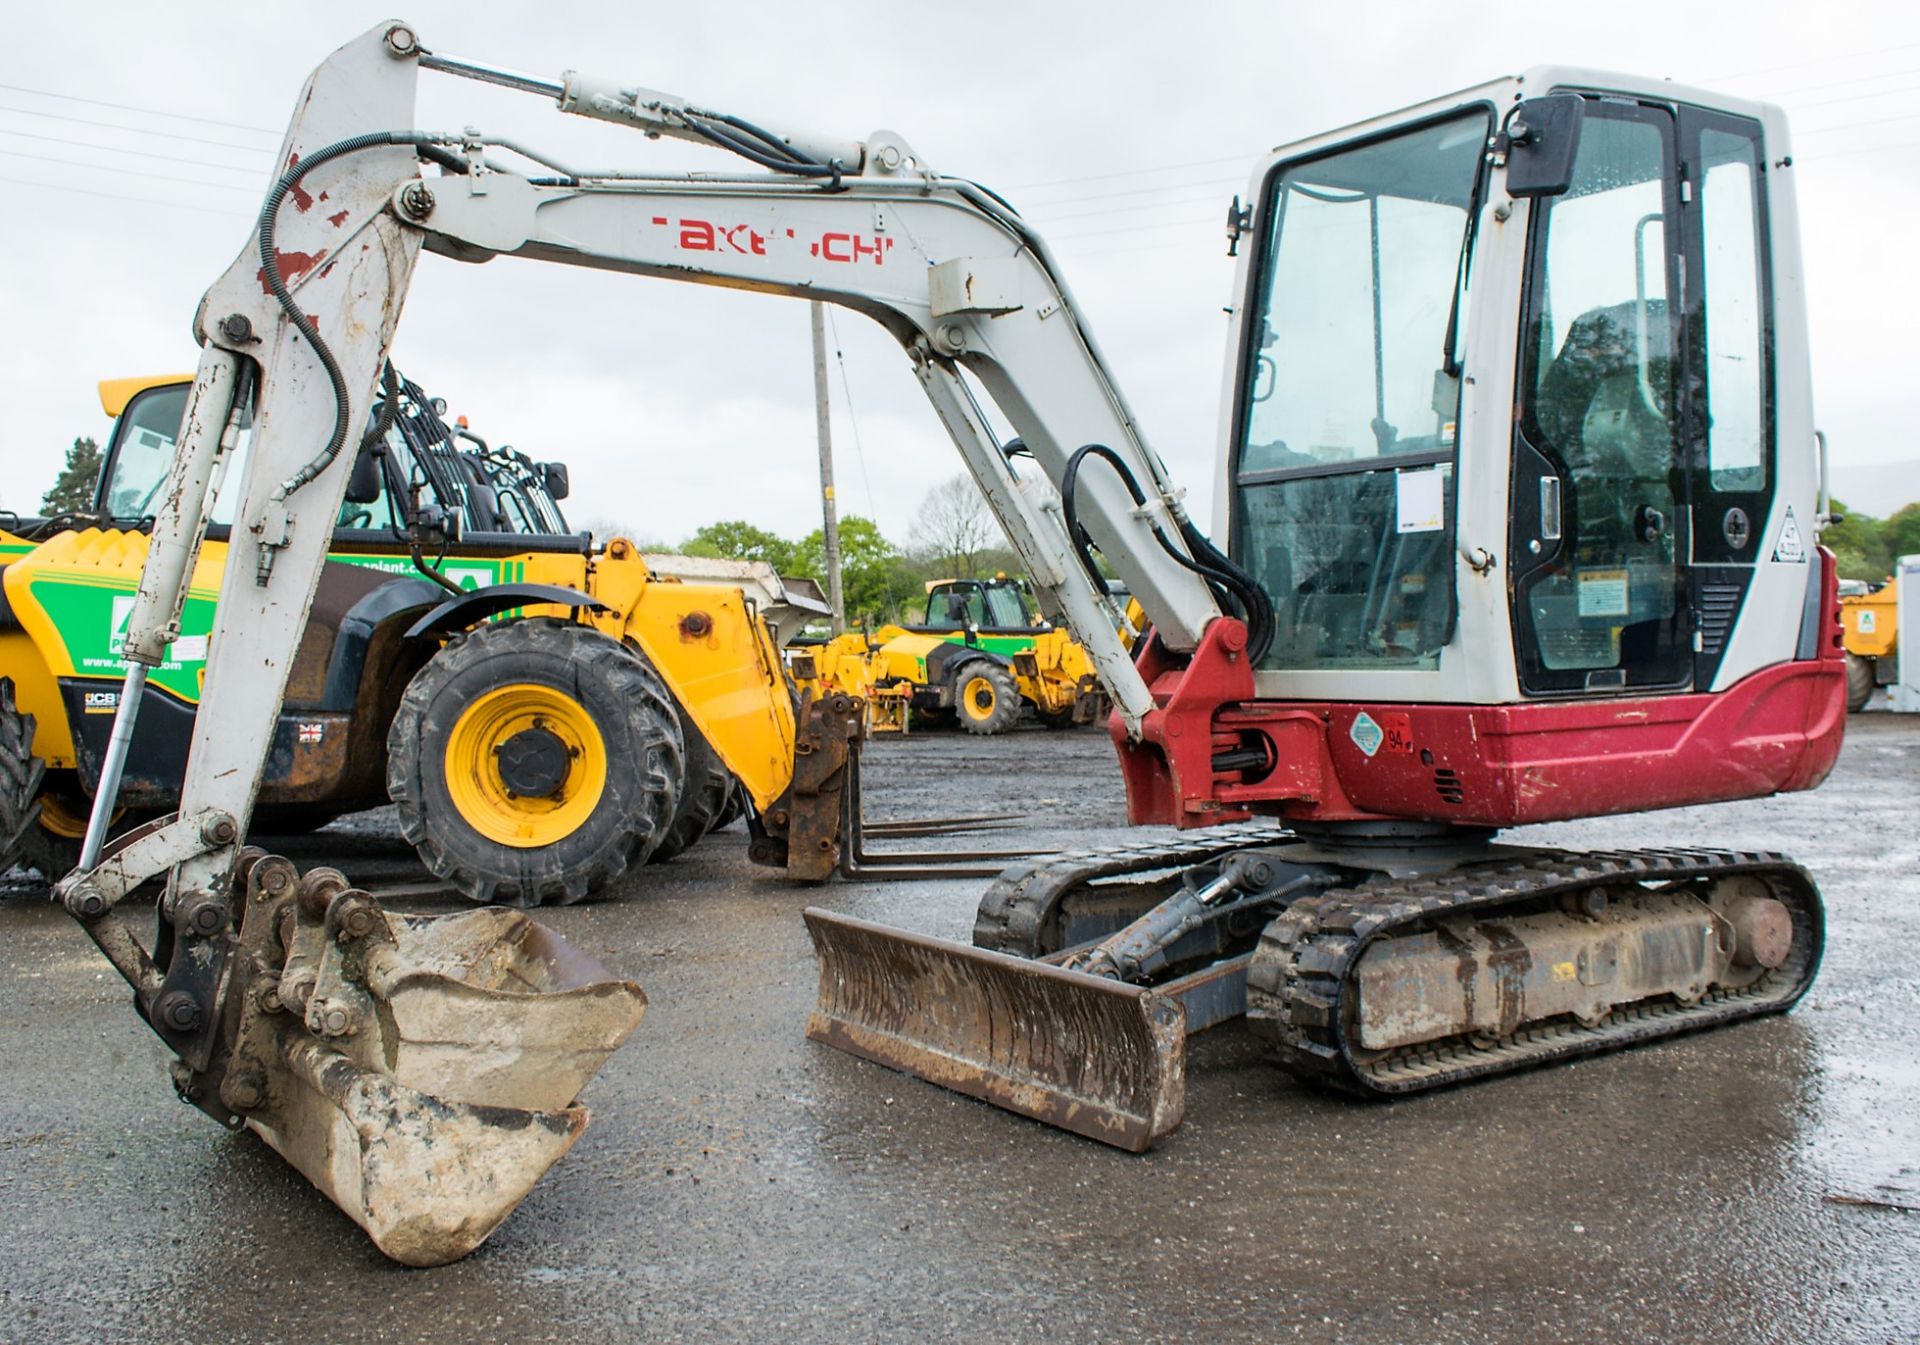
x=742 y=1184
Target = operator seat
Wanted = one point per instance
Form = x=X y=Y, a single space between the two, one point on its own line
x=1596 y=370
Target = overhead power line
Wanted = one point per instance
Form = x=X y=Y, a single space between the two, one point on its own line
x=258 y=174
x=129 y=107
x=1839 y=83
x=1109 y=212
x=1861 y=97
x=1135 y=228
x=136 y=200
x=130 y=172
x=135 y=130
x=1814 y=60
x=1132 y=172
x=1857 y=125
x=846 y=388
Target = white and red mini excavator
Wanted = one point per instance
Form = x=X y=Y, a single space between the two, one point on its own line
x=1515 y=516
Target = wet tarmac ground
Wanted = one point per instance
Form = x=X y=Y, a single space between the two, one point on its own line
x=1759 y=1184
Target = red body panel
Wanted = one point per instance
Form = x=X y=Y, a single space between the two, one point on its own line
x=1478 y=765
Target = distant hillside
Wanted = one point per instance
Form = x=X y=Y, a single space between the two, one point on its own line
x=1877 y=488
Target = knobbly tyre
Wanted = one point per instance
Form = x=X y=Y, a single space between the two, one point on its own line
x=1433 y=618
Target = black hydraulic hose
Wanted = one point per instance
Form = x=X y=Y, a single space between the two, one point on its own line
x=1253 y=597
x=389 y=407
x=276 y=283
x=1220 y=573
x=451 y=162
x=766 y=137
x=726 y=139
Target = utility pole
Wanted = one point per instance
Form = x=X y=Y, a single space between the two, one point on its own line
x=835 y=596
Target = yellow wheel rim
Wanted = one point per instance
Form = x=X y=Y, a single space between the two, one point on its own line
x=61 y=820
x=491 y=726
x=978 y=697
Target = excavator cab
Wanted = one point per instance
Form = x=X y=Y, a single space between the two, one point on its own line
x=1623 y=501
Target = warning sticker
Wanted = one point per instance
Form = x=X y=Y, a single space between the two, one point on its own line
x=1790 y=549
x=1421 y=500
x=1366 y=735
x=1603 y=593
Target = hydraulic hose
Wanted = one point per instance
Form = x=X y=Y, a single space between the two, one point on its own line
x=276 y=283
x=1219 y=571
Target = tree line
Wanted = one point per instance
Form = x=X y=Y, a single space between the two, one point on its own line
x=1867 y=547
x=954 y=537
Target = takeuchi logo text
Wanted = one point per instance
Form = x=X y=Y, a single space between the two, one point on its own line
x=698 y=235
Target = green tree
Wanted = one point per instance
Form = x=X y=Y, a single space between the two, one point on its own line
x=1901 y=535
x=735 y=539
x=875 y=578
x=75 y=485
x=956 y=530
x=1859 y=543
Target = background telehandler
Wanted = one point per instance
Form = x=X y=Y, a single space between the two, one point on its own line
x=1516 y=465
x=980 y=654
x=457 y=685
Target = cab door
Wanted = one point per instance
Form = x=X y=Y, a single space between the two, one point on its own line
x=1730 y=427
x=1601 y=591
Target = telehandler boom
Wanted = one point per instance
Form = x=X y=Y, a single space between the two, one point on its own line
x=1516 y=459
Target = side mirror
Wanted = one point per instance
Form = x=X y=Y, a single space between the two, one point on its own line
x=363 y=484
x=1542 y=135
x=556 y=478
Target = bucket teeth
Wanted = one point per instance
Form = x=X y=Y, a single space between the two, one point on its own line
x=421 y=1072
x=1087 y=1054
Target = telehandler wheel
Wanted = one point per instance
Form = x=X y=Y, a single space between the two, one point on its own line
x=1859 y=682
x=39 y=826
x=534 y=760
x=702 y=798
x=733 y=809
x=986 y=696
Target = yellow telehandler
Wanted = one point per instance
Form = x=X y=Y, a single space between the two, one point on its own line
x=546 y=712
x=981 y=654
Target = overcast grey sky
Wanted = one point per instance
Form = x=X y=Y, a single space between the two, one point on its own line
x=1122 y=129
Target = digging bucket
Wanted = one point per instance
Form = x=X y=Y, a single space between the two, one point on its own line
x=423 y=1073
x=1087 y=1054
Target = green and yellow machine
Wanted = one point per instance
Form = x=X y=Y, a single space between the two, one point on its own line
x=982 y=652
x=545 y=711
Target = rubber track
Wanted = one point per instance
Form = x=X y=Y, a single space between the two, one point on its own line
x=1297 y=983
x=1013 y=914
